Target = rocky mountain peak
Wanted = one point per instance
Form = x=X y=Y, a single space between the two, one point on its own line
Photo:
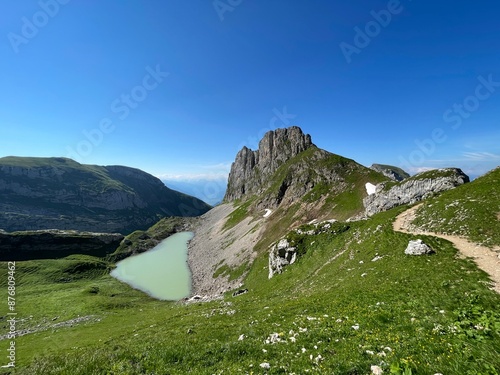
x=251 y=168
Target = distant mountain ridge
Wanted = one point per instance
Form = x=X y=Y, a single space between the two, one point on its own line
x=59 y=193
x=394 y=173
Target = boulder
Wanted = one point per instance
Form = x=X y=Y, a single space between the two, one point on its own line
x=418 y=247
x=281 y=255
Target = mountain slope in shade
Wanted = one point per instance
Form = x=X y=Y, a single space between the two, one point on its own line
x=59 y=193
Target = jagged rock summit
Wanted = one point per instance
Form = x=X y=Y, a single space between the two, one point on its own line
x=289 y=170
x=251 y=168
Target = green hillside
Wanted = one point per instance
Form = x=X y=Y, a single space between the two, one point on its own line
x=471 y=210
x=354 y=300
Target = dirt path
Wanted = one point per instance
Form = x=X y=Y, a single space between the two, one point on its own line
x=485 y=258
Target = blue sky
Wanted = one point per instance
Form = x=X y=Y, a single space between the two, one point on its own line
x=177 y=87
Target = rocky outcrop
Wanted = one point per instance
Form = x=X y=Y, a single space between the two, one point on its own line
x=413 y=190
x=59 y=193
x=289 y=169
x=281 y=255
x=418 y=247
x=287 y=250
x=394 y=173
x=251 y=169
x=48 y=244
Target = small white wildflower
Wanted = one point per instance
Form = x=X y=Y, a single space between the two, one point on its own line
x=311 y=318
x=265 y=365
x=355 y=327
x=381 y=354
x=376 y=370
x=304 y=350
x=302 y=329
x=370 y=352
x=293 y=339
x=241 y=338
x=364 y=274
x=264 y=351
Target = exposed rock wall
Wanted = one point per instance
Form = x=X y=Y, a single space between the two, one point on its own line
x=281 y=255
x=251 y=169
x=55 y=244
x=59 y=193
x=413 y=189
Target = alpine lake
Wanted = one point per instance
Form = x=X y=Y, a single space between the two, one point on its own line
x=161 y=272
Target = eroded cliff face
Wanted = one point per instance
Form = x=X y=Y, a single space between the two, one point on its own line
x=59 y=193
x=414 y=189
x=50 y=244
x=251 y=170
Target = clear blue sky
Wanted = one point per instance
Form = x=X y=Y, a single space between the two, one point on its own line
x=177 y=87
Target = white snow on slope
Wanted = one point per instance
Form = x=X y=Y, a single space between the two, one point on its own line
x=370 y=188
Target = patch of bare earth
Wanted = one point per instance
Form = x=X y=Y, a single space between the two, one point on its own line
x=486 y=259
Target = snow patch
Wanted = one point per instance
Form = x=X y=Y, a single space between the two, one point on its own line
x=268 y=212
x=370 y=188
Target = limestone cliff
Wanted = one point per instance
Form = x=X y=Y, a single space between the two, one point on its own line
x=59 y=193
x=414 y=189
x=288 y=170
x=251 y=170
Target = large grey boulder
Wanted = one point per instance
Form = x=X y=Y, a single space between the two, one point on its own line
x=281 y=255
x=414 y=189
x=418 y=247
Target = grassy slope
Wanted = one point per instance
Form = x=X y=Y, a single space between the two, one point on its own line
x=471 y=210
x=435 y=313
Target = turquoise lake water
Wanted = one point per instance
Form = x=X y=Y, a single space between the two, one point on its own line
x=161 y=272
